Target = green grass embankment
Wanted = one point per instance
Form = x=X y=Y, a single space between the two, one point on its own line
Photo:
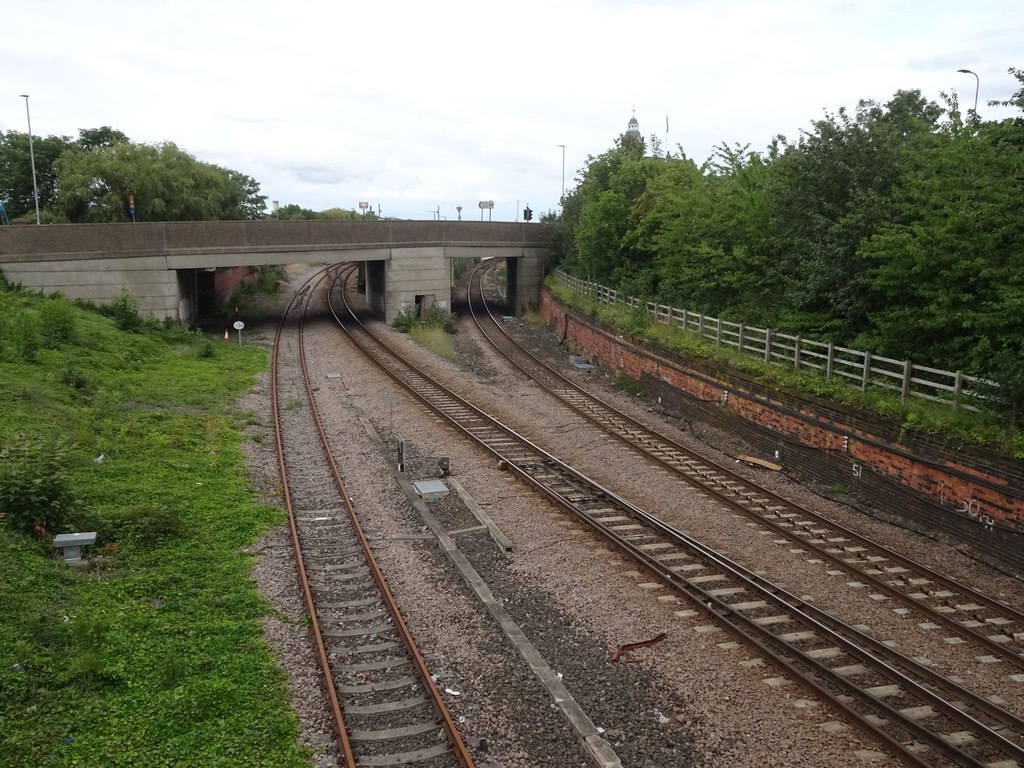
x=152 y=655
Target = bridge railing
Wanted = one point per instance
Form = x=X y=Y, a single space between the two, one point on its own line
x=860 y=368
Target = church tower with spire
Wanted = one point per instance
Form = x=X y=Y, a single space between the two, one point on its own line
x=633 y=129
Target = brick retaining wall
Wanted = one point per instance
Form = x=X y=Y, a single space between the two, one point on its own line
x=972 y=495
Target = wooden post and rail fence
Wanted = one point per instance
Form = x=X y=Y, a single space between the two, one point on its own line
x=862 y=369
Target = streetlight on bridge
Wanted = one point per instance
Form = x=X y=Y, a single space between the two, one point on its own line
x=561 y=200
x=977 y=87
x=32 y=156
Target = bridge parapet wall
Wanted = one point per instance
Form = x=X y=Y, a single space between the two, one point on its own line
x=87 y=240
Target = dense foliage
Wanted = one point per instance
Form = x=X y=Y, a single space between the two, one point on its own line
x=291 y=211
x=896 y=229
x=90 y=180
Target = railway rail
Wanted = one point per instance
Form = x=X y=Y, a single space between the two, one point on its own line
x=385 y=708
x=923 y=717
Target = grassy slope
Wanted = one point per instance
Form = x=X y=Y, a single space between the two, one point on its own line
x=153 y=655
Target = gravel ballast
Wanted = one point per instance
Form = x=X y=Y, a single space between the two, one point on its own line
x=692 y=698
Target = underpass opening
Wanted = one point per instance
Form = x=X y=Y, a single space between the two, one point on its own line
x=512 y=286
x=206 y=293
x=424 y=303
x=376 y=287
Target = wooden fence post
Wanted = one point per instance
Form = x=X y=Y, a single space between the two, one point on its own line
x=908 y=372
x=796 y=354
x=767 y=344
x=866 y=373
x=829 y=363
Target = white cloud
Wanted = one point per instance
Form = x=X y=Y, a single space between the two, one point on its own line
x=415 y=106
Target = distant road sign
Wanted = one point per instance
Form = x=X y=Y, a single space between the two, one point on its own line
x=486 y=205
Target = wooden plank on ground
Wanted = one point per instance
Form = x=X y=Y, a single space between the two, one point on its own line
x=761 y=463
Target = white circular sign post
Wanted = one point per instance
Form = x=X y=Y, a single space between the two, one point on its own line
x=238 y=326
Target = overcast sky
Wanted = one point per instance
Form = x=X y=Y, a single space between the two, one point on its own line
x=424 y=106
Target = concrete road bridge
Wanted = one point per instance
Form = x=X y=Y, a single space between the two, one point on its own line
x=172 y=268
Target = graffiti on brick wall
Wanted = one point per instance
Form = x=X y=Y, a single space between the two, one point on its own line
x=969 y=507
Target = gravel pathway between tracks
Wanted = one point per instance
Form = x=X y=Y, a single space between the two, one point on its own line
x=691 y=699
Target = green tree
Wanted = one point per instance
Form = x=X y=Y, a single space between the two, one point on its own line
x=94 y=138
x=292 y=212
x=598 y=211
x=707 y=225
x=948 y=273
x=16 y=191
x=896 y=229
x=241 y=197
x=829 y=192
x=168 y=184
x=343 y=214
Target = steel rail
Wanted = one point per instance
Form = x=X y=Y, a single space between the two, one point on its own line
x=459 y=749
x=441 y=716
x=337 y=718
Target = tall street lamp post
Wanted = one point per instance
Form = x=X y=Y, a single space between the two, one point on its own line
x=977 y=87
x=32 y=157
x=561 y=200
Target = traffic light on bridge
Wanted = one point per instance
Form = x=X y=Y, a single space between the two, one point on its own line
x=527 y=214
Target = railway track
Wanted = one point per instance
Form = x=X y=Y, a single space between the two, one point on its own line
x=973 y=616
x=919 y=715
x=994 y=627
x=385 y=709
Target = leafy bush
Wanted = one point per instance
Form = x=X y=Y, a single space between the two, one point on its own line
x=438 y=317
x=35 y=486
x=628 y=385
x=148 y=525
x=57 y=318
x=409 y=317
x=74 y=379
x=406 y=318
x=638 y=322
x=125 y=311
x=206 y=350
x=25 y=336
x=267 y=282
x=270 y=277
